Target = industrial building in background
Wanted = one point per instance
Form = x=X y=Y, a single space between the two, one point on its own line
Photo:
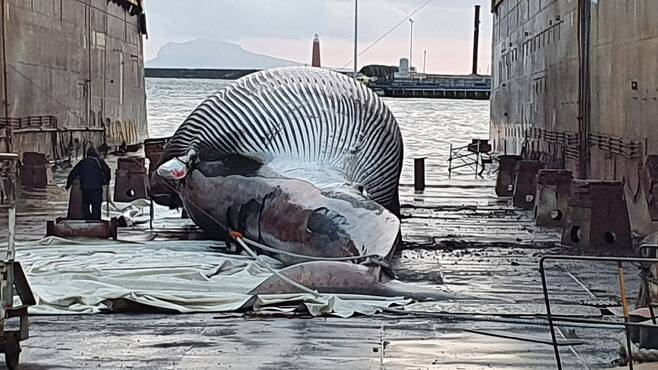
x=575 y=86
x=72 y=74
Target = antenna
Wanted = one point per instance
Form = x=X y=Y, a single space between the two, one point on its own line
x=424 y=60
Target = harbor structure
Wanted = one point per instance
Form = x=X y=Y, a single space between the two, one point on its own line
x=73 y=73
x=575 y=86
x=406 y=82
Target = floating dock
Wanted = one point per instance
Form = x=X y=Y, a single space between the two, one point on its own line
x=435 y=86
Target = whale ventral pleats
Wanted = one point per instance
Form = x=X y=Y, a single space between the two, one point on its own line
x=309 y=116
x=303 y=160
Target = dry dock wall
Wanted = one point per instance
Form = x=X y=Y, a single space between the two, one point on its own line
x=540 y=59
x=80 y=61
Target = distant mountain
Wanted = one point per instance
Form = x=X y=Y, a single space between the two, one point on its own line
x=204 y=53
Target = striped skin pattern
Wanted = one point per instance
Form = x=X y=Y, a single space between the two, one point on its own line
x=308 y=116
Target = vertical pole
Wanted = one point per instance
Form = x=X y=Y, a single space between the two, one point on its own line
x=107 y=200
x=476 y=40
x=151 y=214
x=477 y=164
x=424 y=60
x=411 y=44
x=419 y=174
x=450 y=163
x=584 y=104
x=11 y=242
x=89 y=65
x=624 y=303
x=549 y=316
x=356 y=36
x=647 y=290
x=478 y=158
x=5 y=82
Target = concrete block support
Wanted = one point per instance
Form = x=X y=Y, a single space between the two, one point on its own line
x=552 y=197
x=131 y=180
x=525 y=184
x=153 y=148
x=506 y=175
x=34 y=173
x=597 y=219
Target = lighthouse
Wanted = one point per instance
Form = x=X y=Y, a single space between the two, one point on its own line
x=316 y=52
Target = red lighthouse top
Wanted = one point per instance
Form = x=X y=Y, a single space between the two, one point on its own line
x=316 y=52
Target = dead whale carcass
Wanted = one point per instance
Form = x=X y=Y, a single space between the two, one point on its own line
x=304 y=160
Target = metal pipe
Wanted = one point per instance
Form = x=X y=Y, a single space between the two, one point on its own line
x=11 y=242
x=8 y=128
x=411 y=44
x=356 y=36
x=450 y=163
x=562 y=320
x=89 y=65
x=549 y=316
x=584 y=103
x=476 y=40
x=624 y=304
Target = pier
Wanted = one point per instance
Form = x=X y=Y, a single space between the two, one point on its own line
x=436 y=91
x=449 y=238
x=198 y=73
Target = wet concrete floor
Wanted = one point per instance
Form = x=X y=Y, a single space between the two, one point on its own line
x=456 y=232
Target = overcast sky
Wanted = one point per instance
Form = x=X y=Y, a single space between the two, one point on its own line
x=285 y=29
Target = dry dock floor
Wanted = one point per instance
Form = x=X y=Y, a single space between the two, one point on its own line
x=457 y=232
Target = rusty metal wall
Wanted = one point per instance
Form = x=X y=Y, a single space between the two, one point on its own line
x=80 y=61
x=536 y=89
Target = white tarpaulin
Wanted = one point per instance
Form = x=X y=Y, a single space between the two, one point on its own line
x=181 y=276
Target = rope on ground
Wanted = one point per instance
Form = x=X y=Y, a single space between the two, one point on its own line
x=372 y=258
x=480 y=317
x=639 y=354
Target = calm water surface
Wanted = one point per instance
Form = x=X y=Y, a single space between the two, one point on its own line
x=428 y=126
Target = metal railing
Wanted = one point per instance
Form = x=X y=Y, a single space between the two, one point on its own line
x=622 y=287
x=18 y=123
x=474 y=155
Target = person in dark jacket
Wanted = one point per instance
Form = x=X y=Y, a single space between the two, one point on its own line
x=93 y=173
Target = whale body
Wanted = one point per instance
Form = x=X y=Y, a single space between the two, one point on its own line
x=304 y=160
